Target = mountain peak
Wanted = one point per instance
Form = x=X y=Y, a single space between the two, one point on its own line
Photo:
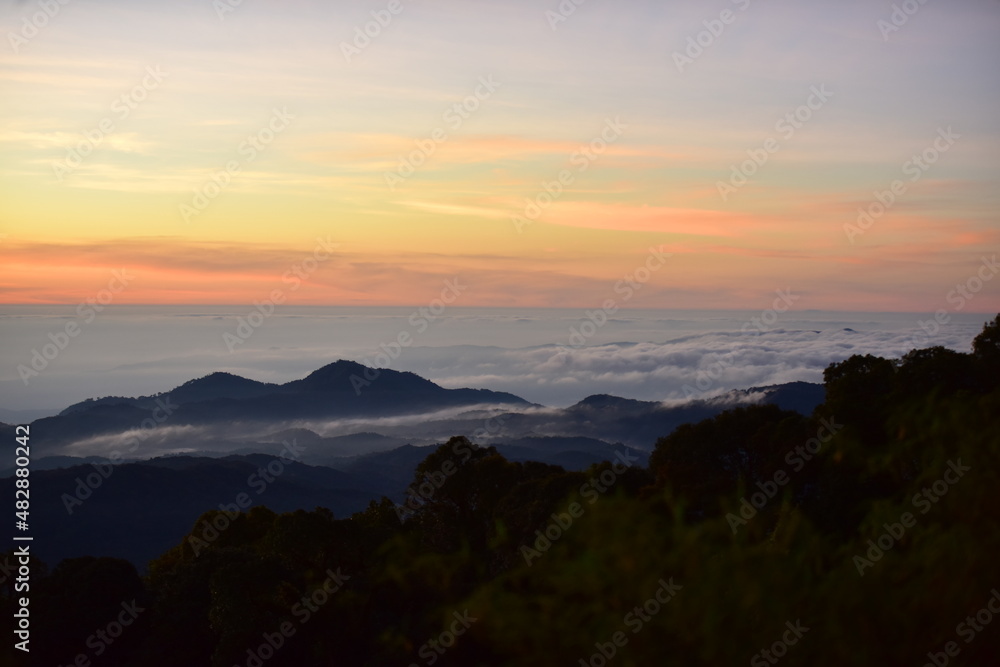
x=339 y=366
x=217 y=376
x=344 y=375
x=600 y=401
x=219 y=385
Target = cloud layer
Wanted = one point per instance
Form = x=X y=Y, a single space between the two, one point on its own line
x=649 y=355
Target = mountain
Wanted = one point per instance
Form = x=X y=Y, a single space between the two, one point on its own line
x=211 y=387
x=802 y=397
x=220 y=385
x=345 y=409
x=350 y=376
x=395 y=468
x=359 y=434
x=321 y=451
x=136 y=511
x=612 y=419
x=343 y=389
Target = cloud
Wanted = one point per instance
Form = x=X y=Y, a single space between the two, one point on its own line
x=699 y=366
x=703 y=365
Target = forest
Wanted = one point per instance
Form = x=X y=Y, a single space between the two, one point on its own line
x=863 y=534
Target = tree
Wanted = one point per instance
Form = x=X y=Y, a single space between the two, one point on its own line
x=88 y=605
x=857 y=395
x=934 y=369
x=986 y=355
x=704 y=461
x=986 y=345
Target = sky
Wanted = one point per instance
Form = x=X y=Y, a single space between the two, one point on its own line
x=554 y=356
x=540 y=153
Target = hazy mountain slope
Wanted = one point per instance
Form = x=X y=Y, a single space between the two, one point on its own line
x=141 y=509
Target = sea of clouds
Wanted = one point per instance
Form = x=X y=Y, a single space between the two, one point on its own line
x=649 y=355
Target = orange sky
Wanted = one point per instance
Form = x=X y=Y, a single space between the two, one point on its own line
x=164 y=98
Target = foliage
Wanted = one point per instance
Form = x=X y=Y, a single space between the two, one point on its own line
x=831 y=549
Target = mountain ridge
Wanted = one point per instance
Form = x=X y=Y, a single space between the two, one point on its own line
x=222 y=413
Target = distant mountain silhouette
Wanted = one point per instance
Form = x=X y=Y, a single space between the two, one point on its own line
x=802 y=397
x=213 y=386
x=346 y=376
x=220 y=385
x=396 y=467
x=601 y=402
x=229 y=426
x=339 y=389
x=638 y=424
x=225 y=413
x=142 y=509
x=351 y=382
